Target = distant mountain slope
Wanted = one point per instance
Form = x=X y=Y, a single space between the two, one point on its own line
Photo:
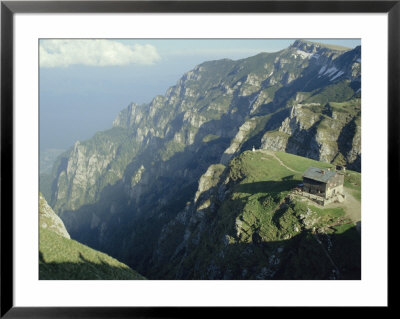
x=63 y=258
x=117 y=191
x=47 y=158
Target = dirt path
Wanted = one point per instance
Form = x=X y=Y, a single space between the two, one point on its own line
x=279 y=160
x=351 y=206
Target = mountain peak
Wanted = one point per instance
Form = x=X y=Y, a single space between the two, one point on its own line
x=312 y=47
x=306 y=46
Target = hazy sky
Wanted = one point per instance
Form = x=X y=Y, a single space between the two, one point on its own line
x=85 y=83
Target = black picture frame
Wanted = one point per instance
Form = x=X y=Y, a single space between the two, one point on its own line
x=9 y=8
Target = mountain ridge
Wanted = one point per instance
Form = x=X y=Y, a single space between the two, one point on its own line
x=312 y=45
x=146 y=168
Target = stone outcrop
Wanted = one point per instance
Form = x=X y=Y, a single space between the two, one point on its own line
x=49 y=220
x=318 y=134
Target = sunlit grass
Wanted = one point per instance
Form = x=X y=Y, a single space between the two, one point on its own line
x=62 y=258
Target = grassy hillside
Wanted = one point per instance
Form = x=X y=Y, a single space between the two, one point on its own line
x=63 y=258
x=267 y=202
x=66 y=259
x=268 y=232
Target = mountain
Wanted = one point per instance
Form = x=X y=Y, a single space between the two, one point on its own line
x=247 y=223
x=117 y=191
x=63 y=258
x=47 y=158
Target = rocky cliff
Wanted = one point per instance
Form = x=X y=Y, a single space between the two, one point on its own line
x=329 y=133
x=49 y=220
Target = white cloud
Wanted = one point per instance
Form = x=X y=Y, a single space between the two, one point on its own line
x=56 y=53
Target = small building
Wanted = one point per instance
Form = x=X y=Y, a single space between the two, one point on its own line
x=323 y=183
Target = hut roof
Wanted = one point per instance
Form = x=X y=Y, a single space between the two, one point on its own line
x=318 y=174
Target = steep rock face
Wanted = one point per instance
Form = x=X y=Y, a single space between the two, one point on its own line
x=238 y=140
x=132 y=115
x=328 y=133
x=49 y=220
x=118 y=190
x=191 y=217
x=83 y=171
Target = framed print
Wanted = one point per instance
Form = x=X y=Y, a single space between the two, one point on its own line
x=165 y=157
